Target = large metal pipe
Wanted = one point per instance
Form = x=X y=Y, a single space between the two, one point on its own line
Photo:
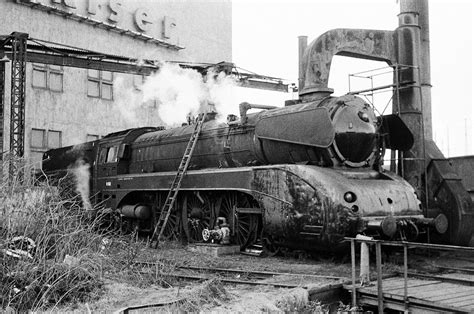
x=302 y=44
x=408 y=98
x=371 y=44
x=414 y=103
x=245 y=106
x=137 y=211
x=421 y=8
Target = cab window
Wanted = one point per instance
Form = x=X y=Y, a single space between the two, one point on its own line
x=112 y=154
x=108 y=155
x=103 y=155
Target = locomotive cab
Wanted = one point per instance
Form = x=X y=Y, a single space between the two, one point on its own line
x=112 y=160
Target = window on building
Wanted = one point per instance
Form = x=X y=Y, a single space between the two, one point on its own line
x=92 y=137
x=54 y=139
x=39 y=75
x=55 y=78
x=44 y=139
x=38 y=138
x=48 y=77
x=100 y=84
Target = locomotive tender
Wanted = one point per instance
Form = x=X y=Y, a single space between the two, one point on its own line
x=302 y=176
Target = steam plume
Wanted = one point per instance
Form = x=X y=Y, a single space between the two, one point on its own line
x=128 y=100
x=81 y=175
x=177 y=92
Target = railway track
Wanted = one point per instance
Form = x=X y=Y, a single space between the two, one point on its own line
x=232 y=276
x=456 y=269
x=237 y=276
x=287 y=280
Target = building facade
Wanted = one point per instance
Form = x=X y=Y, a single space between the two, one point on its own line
x=66 y=105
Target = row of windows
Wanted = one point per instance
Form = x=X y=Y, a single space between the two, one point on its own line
x=47 y=139
x=48 y=77
x=99 y=83
x=108 y=154
x=41 y=139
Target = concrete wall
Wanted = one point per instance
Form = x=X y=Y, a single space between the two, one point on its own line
x=203 y=28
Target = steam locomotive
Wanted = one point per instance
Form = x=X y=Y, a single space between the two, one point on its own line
x=302 y=176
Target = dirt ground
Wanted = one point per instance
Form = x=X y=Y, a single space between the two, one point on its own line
x=215 y=296
x=123 y=291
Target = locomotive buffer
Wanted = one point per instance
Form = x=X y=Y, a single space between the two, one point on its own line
x=173 y=192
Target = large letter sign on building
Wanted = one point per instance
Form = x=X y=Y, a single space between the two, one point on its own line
x=143 y=20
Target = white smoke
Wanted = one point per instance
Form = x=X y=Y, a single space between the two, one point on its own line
x=81 y=174
x=128 y=100
x=221 y=93
x=178 y=92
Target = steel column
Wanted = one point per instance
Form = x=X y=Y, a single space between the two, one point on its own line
x=405 y=277
x=421 y=8
x=17 y=110
x=17 y=104
x=378 y=257
x=2 y=106
x=353 y=262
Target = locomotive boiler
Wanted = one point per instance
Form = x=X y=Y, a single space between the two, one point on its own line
x=301 y=176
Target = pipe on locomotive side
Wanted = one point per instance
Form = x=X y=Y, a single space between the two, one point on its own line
x=138 y=211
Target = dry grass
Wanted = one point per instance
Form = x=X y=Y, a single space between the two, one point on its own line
x=59 y=227
x=75 y=250
x=207 y=295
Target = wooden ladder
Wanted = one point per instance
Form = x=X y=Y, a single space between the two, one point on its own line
x=174 y=189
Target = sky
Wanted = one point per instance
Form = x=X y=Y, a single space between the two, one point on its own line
x=264 y=39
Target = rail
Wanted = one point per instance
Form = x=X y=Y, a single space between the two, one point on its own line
x=253 y=279
x=241 y=271
x=378 y=256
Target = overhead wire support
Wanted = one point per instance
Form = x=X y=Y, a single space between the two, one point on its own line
x=17 y=104
x=17 y=46
x=175 y=186
x=2 y=106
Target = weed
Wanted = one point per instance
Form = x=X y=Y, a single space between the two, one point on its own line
x=39 y=227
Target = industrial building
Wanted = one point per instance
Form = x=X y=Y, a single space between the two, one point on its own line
x=68 y=105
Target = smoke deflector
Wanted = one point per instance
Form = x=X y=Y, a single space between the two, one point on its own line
x=306 y=127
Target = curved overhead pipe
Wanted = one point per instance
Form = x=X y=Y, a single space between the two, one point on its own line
x=316 y=61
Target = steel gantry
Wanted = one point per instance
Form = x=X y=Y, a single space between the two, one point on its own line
x=2 y=102
x=20 y=48
x=17 y=104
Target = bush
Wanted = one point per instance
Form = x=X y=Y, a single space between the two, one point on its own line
x=33 y=275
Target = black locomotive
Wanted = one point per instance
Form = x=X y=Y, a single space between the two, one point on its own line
x=302 y=176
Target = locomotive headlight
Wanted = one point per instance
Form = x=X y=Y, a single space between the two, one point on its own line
x=364 y=116
x=350 y=197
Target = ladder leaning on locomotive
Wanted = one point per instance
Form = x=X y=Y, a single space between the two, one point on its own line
x=302 y=176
